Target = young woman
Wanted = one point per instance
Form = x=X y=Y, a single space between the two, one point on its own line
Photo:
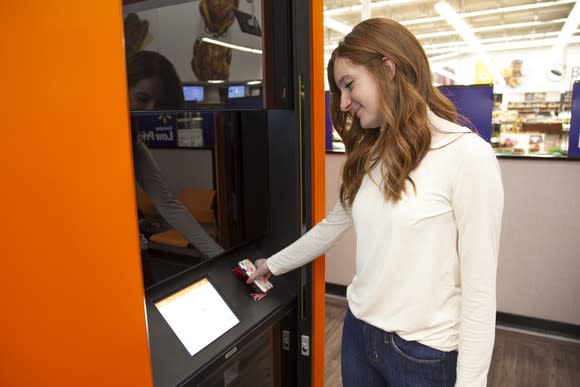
x=425 y=198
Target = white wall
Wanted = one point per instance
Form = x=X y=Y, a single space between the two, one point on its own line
x=539 y=262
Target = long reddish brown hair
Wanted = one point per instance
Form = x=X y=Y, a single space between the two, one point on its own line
x=404 y=138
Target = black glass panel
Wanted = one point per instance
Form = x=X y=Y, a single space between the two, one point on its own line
x=193 y=54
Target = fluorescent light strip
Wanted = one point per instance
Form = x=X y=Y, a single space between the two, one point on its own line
x=358 y=7
x=446 y=11
x=496 y=47
x=336 y=25
x=498 y=27
x=494 y=11
x=568 y=29
x=355 y=8
x=516 y=8
x=435 y=46
x=233 y=46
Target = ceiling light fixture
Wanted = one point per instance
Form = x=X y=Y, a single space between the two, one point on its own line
x=336 y=25
x=498 y=27
x=495 y=47
x=357 y=8
x=568 y=30
x=448 y=13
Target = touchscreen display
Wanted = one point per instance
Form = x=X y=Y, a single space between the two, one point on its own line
x=197 y=314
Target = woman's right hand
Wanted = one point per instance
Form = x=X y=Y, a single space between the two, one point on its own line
x=262 y=271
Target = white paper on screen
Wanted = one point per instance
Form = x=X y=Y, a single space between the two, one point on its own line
x=198 y=315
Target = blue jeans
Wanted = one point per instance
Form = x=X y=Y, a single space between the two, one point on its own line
x=372 y=357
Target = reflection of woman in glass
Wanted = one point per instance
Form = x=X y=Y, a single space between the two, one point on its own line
x=154 y=85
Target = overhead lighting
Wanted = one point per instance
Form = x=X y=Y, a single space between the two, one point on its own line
x=358 y=7
x=253 y=82
x=568 y=30
x=448 y=13
x=216 y=81
x=498 y=27
x=337 y=26
x=437 y=55
x=453 y=44
x=233 y=46
x=516 y=8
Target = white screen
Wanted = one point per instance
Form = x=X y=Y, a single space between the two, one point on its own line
x=193 y=93
x=236 y=91
x=197 y=314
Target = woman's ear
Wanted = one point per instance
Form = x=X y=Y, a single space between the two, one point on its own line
x=392 y=67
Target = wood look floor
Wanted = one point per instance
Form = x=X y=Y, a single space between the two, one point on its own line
x=519 y=359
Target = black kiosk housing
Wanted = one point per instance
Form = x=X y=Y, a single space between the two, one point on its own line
x=264 y=157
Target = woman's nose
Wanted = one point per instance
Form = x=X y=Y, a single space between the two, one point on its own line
x=344 y=102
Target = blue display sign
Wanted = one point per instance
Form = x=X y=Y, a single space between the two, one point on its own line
x=474 y=102
x=157 y=129
x=574 y=139
x=328 y=121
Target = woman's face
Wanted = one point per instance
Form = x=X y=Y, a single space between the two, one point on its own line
x=359 y=92
x=144 y=94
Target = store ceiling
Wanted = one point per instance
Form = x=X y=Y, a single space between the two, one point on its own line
x=499 y=25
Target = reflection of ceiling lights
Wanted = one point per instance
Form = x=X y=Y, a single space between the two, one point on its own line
x=233 y=46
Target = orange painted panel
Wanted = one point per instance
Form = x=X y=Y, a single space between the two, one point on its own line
x=319 y=185
x=72 y=295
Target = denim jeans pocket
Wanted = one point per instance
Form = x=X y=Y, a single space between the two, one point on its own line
x=415 y=351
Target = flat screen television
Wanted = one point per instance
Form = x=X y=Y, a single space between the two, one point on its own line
x=193 y=93
x=574 y=138
x=236 y=91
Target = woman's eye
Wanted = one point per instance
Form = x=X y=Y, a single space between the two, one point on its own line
x=348 y=86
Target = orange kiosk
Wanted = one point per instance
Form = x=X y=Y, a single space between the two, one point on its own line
x=73 y=311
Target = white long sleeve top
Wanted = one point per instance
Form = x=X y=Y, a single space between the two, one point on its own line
x=425 y=266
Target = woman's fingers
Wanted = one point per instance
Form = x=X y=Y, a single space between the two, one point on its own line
x=262 y=271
